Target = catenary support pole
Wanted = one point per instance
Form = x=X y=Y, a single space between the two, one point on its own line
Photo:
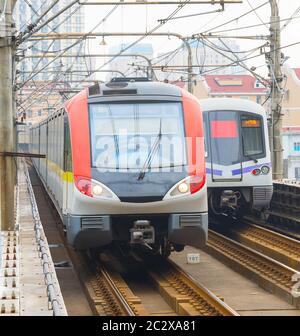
x=274 y=60
x=7 y=164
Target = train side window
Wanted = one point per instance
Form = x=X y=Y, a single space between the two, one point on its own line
x=252 y=135
x=67 y=146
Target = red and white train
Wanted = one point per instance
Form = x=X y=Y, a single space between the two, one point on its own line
x=125 y=163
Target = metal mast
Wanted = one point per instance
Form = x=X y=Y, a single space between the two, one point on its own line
x=275 y=62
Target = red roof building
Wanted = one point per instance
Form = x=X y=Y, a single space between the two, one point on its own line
x=239 y=86
x=234 y=85
x=297 y=72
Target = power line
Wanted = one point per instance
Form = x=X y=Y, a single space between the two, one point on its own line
x=291 y=18
x=256 y=56
x=254 y=25
x=49 y=46
x=237 y=18
x=257 y=15
x=74 y=44
x=145 y=35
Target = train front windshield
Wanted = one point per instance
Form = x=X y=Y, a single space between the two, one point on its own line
x=235 y=137
x=133 y=136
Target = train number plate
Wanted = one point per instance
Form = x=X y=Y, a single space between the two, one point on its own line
x=193 y=258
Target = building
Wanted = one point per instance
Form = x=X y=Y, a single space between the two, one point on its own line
x=124 y=65
x=291 y=101
x=72 y=20
x=204 y=60
x=231 y=86
x=291 y=154
x=40 y=99
x=291 y=123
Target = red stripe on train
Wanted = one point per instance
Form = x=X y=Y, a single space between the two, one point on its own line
x=195 y=140
x=77 y=109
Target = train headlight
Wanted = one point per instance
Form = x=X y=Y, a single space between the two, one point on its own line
x=188 y=186
x=97 y=190
x=265 y=170
x=183 y=188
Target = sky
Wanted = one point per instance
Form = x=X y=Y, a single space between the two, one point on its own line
x=142 y=18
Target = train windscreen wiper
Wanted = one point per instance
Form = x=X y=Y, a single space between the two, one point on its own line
x=116 y=138
x=151 y=154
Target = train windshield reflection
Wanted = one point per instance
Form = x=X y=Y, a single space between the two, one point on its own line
x=122 y=135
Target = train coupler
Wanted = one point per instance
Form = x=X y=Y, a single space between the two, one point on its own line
x=229 y=198
x=142 y=233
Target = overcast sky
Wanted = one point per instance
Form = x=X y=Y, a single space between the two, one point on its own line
x=145 y=17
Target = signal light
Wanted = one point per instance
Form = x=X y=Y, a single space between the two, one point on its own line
x=196 y=183
x=256 y=172
x=84 y=185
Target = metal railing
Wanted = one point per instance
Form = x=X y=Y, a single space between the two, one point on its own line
x=55 y=299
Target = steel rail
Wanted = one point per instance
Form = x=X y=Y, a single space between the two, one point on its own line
x=270 y=274
x=120 y=297
x=185 y=295
x=191 y=285
x=271 y=243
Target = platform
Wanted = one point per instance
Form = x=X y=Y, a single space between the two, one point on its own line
x=28 y=282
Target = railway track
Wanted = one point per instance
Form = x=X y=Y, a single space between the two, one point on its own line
x=275 y=245
x=162 y=284
x=159 y=280
x=285 y=208
x=270 y=274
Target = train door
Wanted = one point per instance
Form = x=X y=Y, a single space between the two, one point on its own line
x=48 y=153
x=67 y=163
x=39 y=148
x=225 y=154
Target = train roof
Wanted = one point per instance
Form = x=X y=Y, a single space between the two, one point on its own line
x=133 y=87
x=234 y=104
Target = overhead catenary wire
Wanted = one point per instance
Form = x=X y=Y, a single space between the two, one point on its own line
x=26 y=22
x=34 y=28
x=254 y=25
x=262 y=54
x=236 y=18
x=144 y=36
x=257 y=15
x=240 y=62
x=237 y=62
x=49 y=46
x=293 y=16
x=73 y=44
x=55 y=79
x=34 y=11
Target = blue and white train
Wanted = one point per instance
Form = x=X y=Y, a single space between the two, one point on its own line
x=238 y=158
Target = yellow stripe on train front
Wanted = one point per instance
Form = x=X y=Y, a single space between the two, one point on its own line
x=68 y=177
